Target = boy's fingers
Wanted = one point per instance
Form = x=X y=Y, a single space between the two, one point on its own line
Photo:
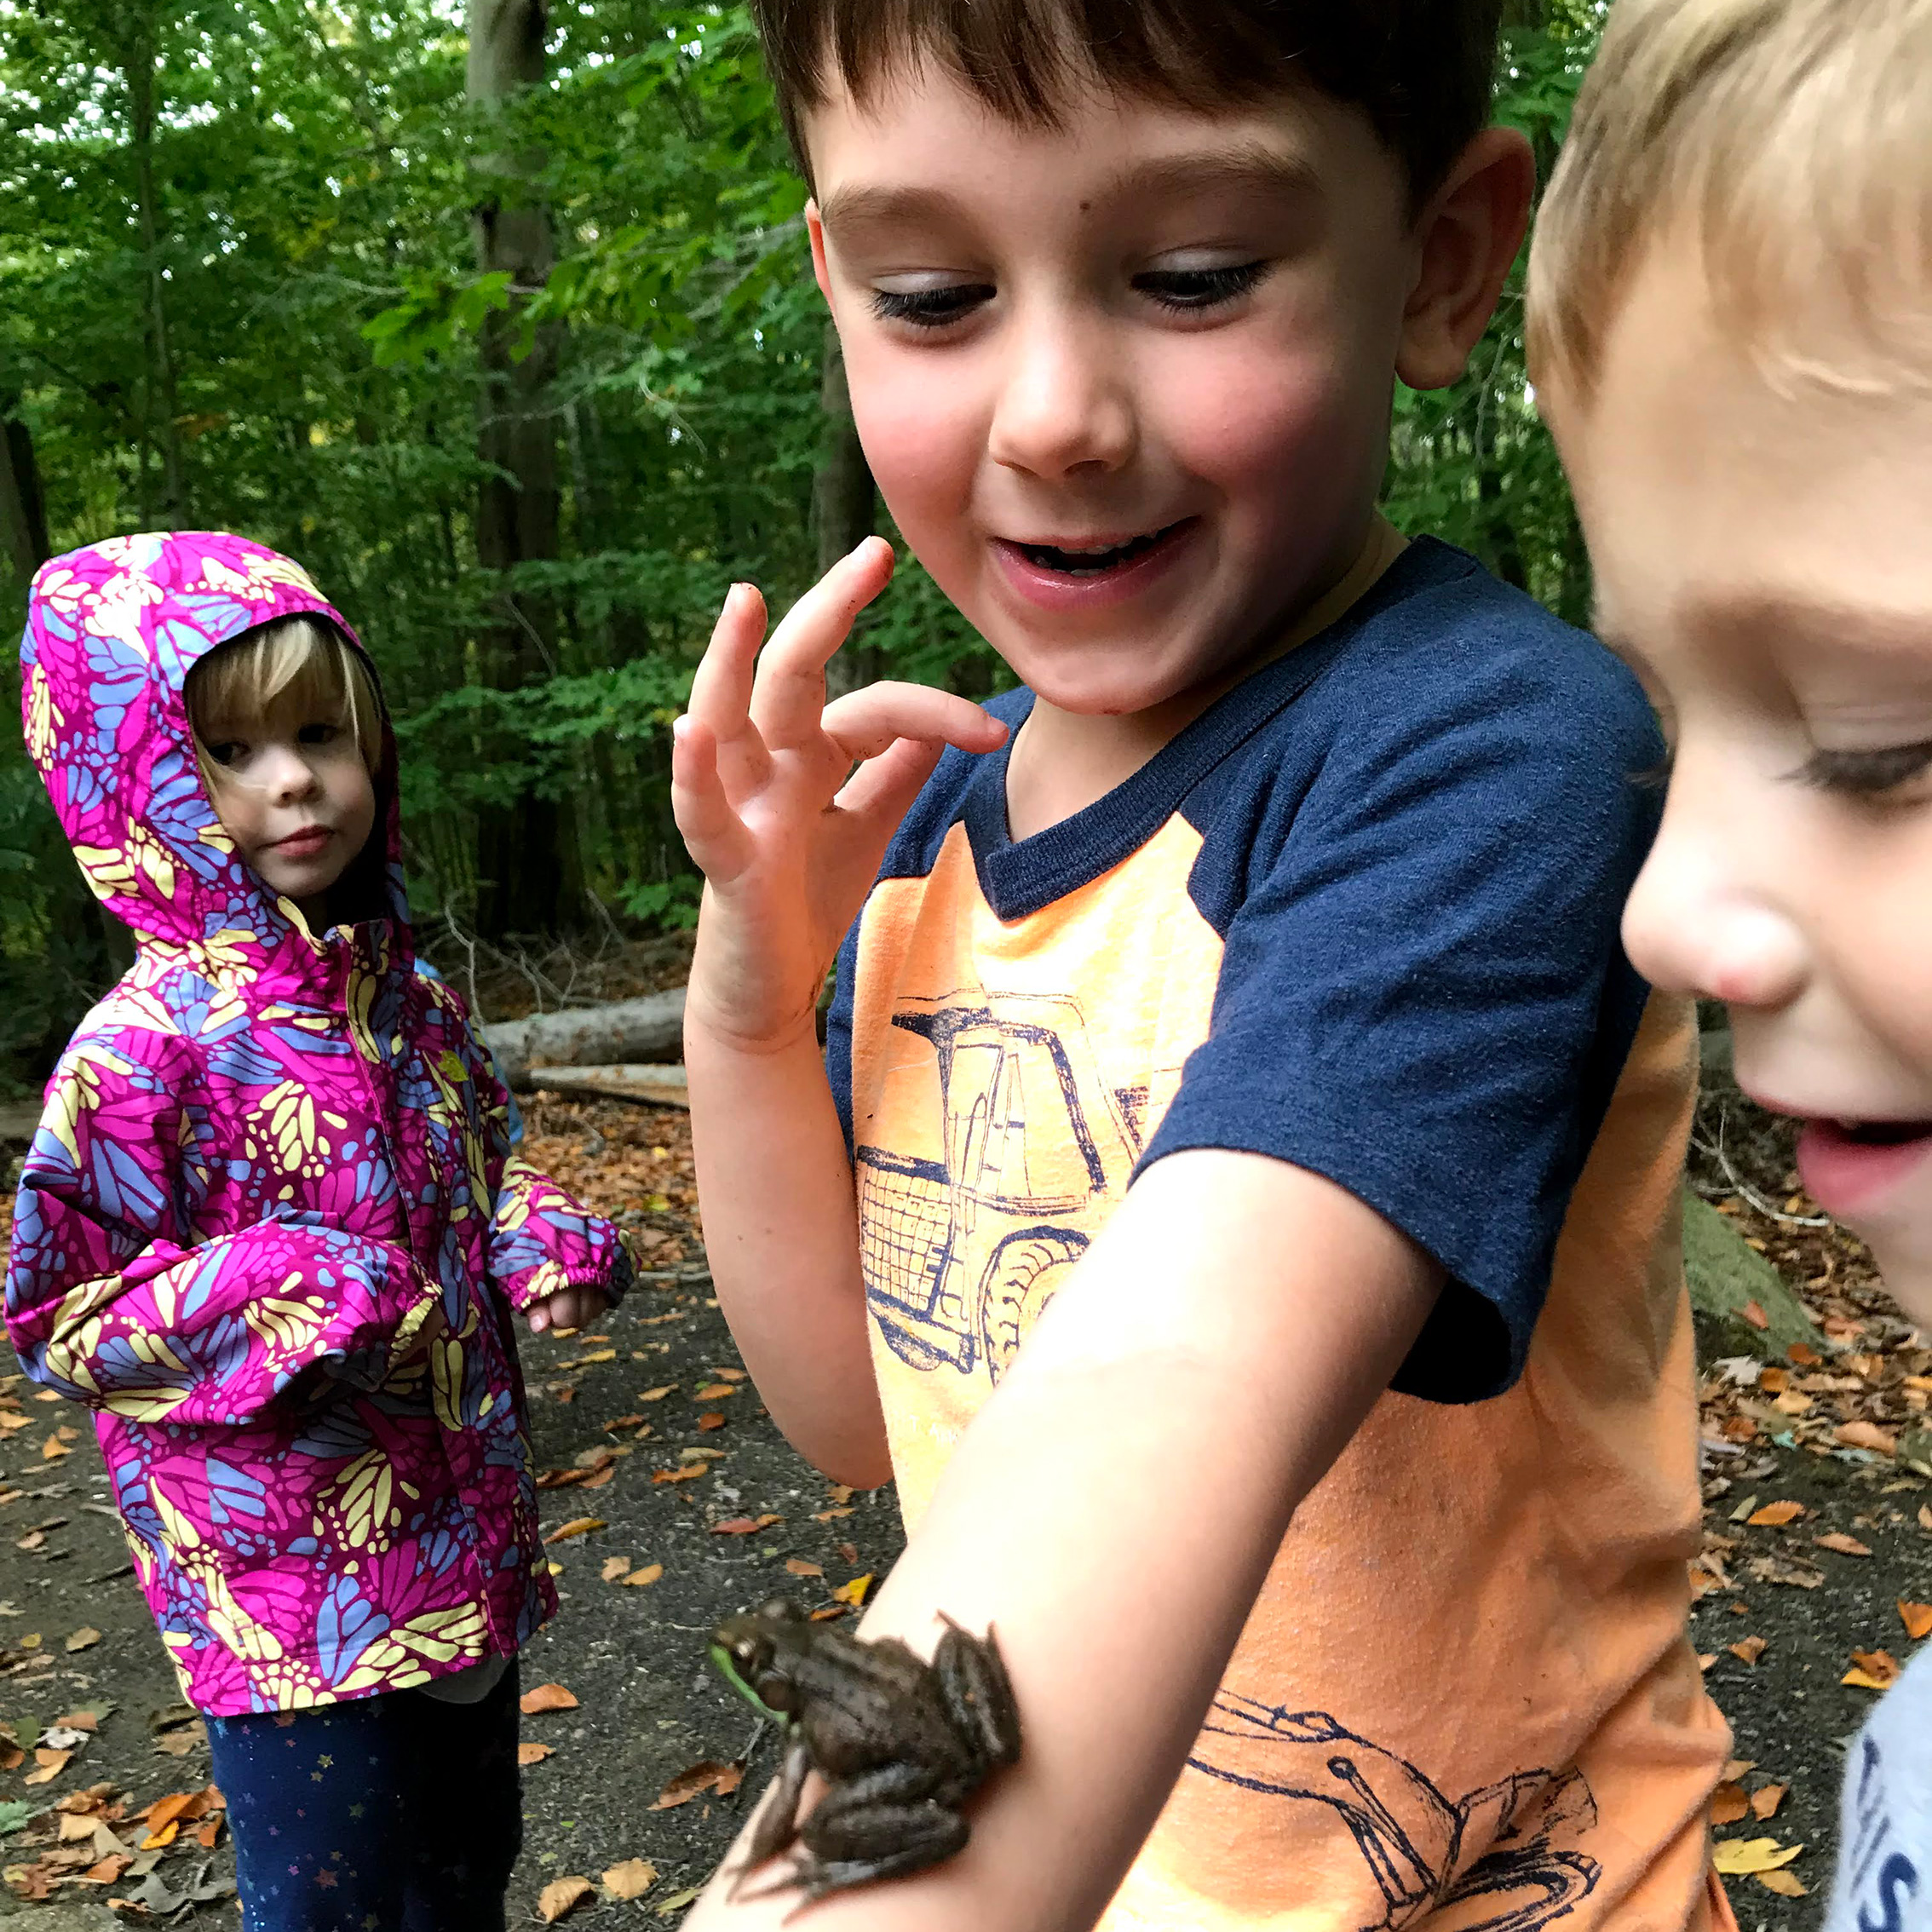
x=788 y=694
x=865 y=723
x=878 y=795
x=713 y=833
x=720 y=693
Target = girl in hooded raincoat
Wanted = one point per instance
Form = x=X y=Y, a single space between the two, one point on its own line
x=271 y=1232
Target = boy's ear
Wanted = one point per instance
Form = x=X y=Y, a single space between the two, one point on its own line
x=1466 y=241
x=815 y=227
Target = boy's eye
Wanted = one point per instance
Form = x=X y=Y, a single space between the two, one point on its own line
x=1867 y=774
x=320 y=733
x=226 y=750
x=1193 y=289
x=931 y=307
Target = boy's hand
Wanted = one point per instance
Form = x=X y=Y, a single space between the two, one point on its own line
x=569 y=1307
x=788 y=836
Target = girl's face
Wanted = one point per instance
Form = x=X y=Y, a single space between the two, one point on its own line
x=292 y=792
x=1761 y=561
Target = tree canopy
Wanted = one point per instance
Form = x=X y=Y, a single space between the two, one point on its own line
x=504 y=327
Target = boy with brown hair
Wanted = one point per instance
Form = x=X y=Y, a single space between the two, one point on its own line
x=1241 y=1210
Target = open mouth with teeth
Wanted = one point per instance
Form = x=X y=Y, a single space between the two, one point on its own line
x=1097 y=561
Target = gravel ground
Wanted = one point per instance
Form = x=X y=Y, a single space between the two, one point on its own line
x=648 y=1708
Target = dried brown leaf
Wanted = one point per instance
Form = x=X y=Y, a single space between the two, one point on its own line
x=546 y=1697
x=563 y=1896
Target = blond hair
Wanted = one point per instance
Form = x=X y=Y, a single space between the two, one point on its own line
x=1789 y=142
x=305 y=659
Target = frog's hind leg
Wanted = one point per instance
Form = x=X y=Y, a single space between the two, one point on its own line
x=894 y=1842
x=777 y=1824
x=977 y=1692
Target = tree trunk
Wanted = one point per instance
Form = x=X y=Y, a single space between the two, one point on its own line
x=23 y=514
x=529 y=873
x=163 y=430
x=843 y=504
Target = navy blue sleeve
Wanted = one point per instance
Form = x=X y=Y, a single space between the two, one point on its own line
x=838 y=1031
x=1423 y=997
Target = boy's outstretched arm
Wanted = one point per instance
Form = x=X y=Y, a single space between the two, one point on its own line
x=788 y=837
x=1114 y=1509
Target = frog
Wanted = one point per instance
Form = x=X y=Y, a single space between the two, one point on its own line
x=900 y=1744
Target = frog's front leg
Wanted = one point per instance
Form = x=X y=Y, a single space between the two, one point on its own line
x=778 y=1820
x=977 y=1692
x=881 y=1824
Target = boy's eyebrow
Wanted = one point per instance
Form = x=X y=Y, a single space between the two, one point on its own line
x=1242 y=167
x=1798 y=619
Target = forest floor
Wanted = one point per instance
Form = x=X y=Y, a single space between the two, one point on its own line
x=669 y=1500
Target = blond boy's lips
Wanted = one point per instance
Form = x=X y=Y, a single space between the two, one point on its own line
x=1854 y=1168
x=1069 y=573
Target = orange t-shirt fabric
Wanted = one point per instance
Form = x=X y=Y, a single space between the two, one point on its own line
x=1464 y=1697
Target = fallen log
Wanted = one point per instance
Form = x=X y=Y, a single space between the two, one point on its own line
x=649 y=1086
x=626 y=1033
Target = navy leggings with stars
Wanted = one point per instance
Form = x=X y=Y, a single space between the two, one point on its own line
x=390 y=1813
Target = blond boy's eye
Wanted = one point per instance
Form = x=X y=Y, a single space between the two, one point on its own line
x=320 y=733
x=1867 y=774
x=226 y=750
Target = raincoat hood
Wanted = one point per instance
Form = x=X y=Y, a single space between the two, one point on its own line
x=113 y=632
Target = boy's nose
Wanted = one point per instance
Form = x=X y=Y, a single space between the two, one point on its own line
x=1699 y=921
x=290 y=778
x=1065 y=405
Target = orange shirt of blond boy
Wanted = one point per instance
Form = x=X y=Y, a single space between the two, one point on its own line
x=1122 y=288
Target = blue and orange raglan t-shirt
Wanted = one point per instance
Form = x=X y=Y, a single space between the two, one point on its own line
x=1361 y=916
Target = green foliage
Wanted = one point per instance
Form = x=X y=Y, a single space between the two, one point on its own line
x=254 y=304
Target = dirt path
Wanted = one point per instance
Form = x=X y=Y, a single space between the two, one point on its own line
x=648 y=1708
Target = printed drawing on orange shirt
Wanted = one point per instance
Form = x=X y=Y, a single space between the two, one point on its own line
x=965 y=1243
x=1412 y=1837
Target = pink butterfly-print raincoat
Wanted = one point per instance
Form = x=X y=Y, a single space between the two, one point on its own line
x=270 y=1230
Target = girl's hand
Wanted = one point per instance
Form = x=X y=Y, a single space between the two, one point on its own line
x=569 y=1307
x=788 y=834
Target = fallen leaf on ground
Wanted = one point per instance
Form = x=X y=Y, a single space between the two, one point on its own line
x=1926 y=1516
x=595 y=1355
x=657 y=1394
x=1802 y=1355
x=1764 y=1803
x=1845 y=1545
x=683 y=1474
x=829 y=1516
x=623 y=1422
x=108 y=1870
x=1773 y=1515
x=51 y=1764
x=1782 y=1570
x=546 y=1697
x=703 y=1776
x=1729 y=1805
x=648 y=1574
x=52 y=1449
x=713 y=1419
x=798 y=1566
x=1705 y=1659
x=743 y=1526
x=1917 y=1619
x=827 y=1612
x=534 y=1753
x=598 y=1481
x=84 y=1638
x=1755 y=1315
x=614 y=1568
x=1738 y=1857
x=1872 y=1669
x=1869 y=1435
x=601 y=1458
x=1736 y=1768
x=578 y=1526
x=1748 y=1649
x=842 y=1492
x=855 y=1592
x=80 y=1721
x=563 y=1896
x=678 y=1900
x=160 y=1836
x=631 y=1880
x=1785 y=1884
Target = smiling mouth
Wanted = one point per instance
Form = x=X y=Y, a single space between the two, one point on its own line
x=1096 y=559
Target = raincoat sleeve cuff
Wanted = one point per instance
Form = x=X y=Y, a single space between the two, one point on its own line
x=543 y=1241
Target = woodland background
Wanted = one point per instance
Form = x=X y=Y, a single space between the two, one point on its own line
x=502 y=324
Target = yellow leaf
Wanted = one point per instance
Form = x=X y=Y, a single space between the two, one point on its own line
x=563 y=1896
x=657 y=1394
x=165 y=1836
x=598 y=1355
x=1785 y=1884
x=1872 y=1669
x=578 y=1526
x=1917 y=1619
x=52 y=1449
x=84 y=1638
x=631 y=1880
x=1740 y=1857
x=648 y=1574
x=855 y=1592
